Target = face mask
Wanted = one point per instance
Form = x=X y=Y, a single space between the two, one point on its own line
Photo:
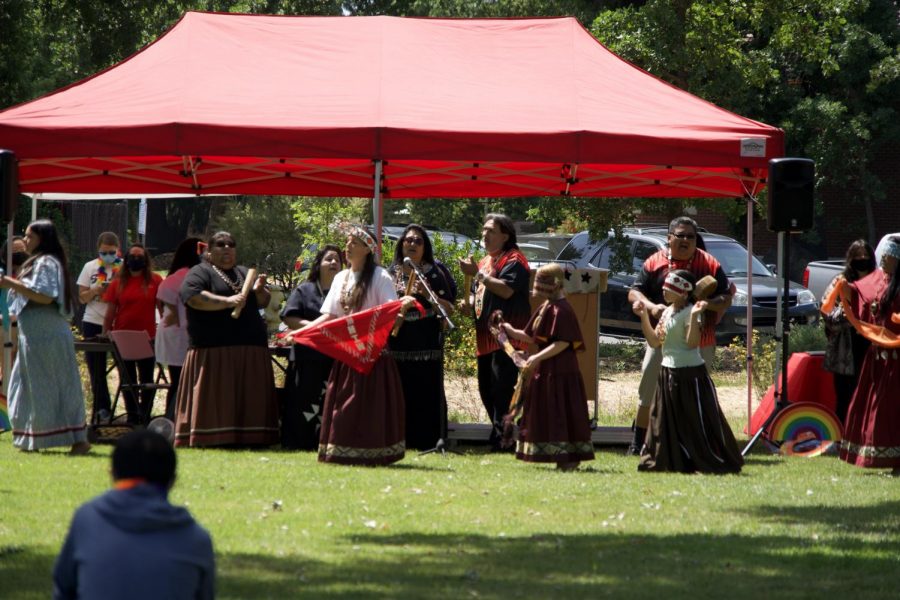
x=19 y=258
x=136 y=263
x=108 y=257
x=860 y=265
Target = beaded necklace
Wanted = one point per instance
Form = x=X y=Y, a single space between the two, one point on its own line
x=347 y=295
x=672 y=261
x=236 y=286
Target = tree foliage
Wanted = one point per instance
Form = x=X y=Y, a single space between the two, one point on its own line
x=826 y=71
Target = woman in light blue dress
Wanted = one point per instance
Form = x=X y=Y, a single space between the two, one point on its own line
x=46 y=405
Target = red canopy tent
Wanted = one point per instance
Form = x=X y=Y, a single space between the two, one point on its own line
x=383 y=107
x=252 y=104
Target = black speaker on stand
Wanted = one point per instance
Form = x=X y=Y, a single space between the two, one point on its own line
x=9 y=196
x=9 y=185
x=791 y=210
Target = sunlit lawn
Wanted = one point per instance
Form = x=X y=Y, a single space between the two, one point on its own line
x=487 y=526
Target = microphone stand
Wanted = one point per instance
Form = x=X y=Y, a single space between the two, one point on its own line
x=440 y=445
x=432 y=297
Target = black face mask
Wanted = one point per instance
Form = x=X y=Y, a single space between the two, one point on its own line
x=19 y=258
x=136 y=263
x=861 y=264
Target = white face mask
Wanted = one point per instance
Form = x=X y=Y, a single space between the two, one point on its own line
x=107 y=257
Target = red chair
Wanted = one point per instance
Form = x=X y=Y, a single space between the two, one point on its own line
x=134 y=345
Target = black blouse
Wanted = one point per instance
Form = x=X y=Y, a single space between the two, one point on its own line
x=304 y=302
x=216 y=328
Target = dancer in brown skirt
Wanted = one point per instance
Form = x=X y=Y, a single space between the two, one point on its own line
x=555 y=425
x=363 y=417
x=688 y=431
x=226 y=395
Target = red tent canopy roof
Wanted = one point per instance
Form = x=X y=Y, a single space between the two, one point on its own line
x=227 y=103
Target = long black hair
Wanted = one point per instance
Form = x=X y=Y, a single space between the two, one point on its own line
x=506 y=226
x=365 y=281
x=893 y=287
x=185 y=255
x=850 y=273
x=315 y=271
x=49 y=245
x=427 y=251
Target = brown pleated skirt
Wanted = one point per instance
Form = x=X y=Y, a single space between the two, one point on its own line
x=363 y=421
x=555 y=425
x=688 y=431
x=226 y=397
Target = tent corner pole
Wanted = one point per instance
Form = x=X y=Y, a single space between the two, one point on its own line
x=34 y=206
x=378 y=209
x=750 y=211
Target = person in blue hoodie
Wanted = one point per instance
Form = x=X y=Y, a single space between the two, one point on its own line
x=131 y=542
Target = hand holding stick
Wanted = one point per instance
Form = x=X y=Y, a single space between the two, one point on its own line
x=245 y=291
x=410 y=284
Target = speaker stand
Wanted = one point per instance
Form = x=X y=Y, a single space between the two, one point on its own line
x=782 y=331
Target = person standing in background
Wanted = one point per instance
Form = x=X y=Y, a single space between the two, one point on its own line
x=418 y=346
x=92 y=282
x=171 y=336
x=308 y=369
x=46 y=406
x=501 y=283
x=131 y=300
x=846 y=348
x=226 y=394
x=646 y=295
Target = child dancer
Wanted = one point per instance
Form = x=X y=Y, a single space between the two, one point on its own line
x=687 y=429
x=555 y=426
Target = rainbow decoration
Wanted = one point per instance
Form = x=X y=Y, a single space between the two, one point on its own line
x=5 y=425
x=805 y=428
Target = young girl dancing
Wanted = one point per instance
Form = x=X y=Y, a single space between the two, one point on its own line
x=688 y=431
x=555 y=426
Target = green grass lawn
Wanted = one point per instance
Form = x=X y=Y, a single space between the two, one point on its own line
x=487 y=526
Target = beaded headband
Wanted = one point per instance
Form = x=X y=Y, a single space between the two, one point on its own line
x=677 y=284
x=360 y=233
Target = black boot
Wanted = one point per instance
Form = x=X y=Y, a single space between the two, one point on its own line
x=637 y=443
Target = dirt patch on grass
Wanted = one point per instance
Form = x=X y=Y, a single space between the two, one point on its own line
x=617 y=392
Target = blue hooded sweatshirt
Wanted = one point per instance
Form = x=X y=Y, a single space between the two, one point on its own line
x=133 y=544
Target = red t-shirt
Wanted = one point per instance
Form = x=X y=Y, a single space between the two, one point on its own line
x=136 y=305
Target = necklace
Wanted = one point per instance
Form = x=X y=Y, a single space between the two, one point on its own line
x=672 y=262
x=236 y=286
x=347 y=295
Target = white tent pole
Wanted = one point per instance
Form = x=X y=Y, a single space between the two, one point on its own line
x=750 y=201
x=378 y=209
x=34 y=202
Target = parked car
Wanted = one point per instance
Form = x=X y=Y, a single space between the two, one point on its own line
x=554 y=242
x=615 y=309
x=536 y=254
x=818 y=274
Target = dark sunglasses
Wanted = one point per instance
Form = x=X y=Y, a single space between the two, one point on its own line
x=225 y=244
x=413 y=241
x=685 y=236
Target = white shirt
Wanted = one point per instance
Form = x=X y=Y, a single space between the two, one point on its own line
x=380 y=291
x=95 y=310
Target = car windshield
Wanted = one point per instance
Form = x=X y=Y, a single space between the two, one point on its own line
x=733 y=258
